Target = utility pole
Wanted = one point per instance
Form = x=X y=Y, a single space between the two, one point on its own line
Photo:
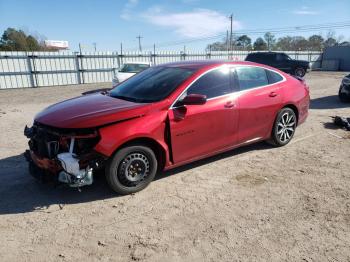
x=80 y=47
x=139 y=37
x=231 y=19
x=227 y=42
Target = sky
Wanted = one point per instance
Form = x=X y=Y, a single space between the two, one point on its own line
x=164 y=22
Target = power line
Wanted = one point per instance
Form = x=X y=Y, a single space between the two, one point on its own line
x=300 y=28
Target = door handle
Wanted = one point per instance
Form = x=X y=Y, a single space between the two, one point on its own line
x=229 y=104
x=273 y=94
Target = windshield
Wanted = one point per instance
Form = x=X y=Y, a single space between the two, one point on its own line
x=151 y=85
x=133 y=68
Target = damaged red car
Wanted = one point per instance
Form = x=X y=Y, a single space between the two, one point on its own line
x=164 y=117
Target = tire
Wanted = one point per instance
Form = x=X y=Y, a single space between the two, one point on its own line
x=131 y=169
x=342 y=97
x=284 y=127
x=300 y=72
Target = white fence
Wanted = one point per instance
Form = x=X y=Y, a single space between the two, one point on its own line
x=33 y=69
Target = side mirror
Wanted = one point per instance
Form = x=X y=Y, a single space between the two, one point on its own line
x=194 y=99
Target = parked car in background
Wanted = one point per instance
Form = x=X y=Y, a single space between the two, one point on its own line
x=344 y=90
x=164 y=117
x=128 y=70
x=280 y=61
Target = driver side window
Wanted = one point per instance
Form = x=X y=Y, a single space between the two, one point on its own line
x=212 y=84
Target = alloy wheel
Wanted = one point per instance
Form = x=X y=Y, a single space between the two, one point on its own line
x=286 y=127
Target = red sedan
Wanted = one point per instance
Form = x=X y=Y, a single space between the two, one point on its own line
x=163 y=117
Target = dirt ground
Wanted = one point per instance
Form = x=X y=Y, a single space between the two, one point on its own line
x=255 y=203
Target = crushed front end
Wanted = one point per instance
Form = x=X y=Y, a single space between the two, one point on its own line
x=63 y=155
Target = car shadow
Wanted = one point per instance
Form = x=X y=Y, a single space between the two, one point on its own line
x=21 y=193
x=198 y=163
x=328 y=102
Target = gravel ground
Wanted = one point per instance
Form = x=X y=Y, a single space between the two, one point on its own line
x=255 y=203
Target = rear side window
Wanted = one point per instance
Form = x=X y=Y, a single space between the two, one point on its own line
x=273 y=77
x=213 y=84
x=281 y=57
x=251 y=77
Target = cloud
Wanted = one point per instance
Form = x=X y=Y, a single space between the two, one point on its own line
x=198 y=23
x=305 y=11
x=126 y=11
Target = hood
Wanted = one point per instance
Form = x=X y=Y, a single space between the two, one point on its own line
x=90 y=111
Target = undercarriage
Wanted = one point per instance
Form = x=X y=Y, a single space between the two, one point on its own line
x=63 y=155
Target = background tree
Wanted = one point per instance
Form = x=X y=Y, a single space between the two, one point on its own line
x=315 y=42
x=217 y=46
x=345 y=43
x=18 y=40
x=270 y=40
x=330 y=39
x=260 y=44
x=244 y=41
x=299 y=43
x=285 y=43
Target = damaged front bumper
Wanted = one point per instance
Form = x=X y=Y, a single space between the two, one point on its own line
x=63 y=156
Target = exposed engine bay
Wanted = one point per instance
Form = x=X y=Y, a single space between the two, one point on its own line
x=63 y=155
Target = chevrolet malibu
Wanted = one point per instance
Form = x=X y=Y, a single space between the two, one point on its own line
x=164 y=117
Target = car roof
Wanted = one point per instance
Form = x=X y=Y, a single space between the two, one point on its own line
x=198 y=64
x=265 y=53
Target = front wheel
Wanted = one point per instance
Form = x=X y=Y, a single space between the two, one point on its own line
x=343 y=97
x=131 y=169
x=300 y=72
x=284 y=127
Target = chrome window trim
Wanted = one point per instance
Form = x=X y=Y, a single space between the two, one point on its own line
x=237 y=93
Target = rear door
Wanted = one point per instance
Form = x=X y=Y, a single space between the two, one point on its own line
x=258 y=102
x=198 y=130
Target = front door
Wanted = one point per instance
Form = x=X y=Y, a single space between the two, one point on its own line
x=199 y=130
x=283 y=62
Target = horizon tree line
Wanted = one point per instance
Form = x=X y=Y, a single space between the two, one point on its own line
x=269 y=41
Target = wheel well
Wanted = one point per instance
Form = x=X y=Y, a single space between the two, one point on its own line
x=300 y=67
x=295 y=109
x=154 y=145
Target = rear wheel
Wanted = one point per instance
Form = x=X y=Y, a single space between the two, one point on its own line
x=343 y=97
x=131 y=169
x=284 y=127
x=300 y=72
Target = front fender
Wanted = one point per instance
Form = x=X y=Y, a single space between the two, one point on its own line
x=151 y=126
